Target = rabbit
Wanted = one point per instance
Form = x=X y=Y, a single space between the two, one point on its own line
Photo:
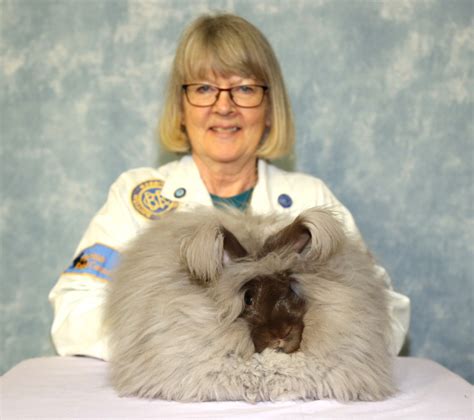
x=216 y=304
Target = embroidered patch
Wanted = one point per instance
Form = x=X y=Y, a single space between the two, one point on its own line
x=97 y=260
x=148 y=201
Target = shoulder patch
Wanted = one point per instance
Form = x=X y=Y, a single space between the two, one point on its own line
x=97 y=260
x=148 y=201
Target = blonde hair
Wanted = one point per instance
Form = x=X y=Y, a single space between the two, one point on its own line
x=227 y=45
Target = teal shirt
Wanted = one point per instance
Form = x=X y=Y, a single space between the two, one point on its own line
x=239 y=201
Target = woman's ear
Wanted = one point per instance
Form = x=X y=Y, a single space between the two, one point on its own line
x=268 y=117
x=315 y=233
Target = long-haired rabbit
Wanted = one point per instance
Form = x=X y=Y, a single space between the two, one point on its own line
x=219 y=305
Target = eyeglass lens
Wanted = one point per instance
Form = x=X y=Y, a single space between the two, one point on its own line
x=207 y=95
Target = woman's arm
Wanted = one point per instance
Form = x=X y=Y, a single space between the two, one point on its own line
x=79 y=294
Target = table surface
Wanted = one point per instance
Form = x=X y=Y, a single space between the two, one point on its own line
x=77 y=387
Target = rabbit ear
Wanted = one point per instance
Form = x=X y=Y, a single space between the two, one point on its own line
x=294 y=237
x=315 y=233
x=202 y=253
x=208 y=249
x=232 y=247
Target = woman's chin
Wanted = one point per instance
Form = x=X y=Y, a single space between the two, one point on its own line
x=227 y=154
x=227 y=158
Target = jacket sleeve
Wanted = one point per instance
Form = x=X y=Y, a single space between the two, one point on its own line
x=399 y=305
x=79 y=294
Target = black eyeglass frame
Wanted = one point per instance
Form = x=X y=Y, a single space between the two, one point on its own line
x=219 y=90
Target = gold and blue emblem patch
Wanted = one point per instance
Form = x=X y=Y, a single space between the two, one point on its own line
x=148 y=201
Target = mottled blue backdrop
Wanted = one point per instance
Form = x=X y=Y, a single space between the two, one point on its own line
x=382 y=92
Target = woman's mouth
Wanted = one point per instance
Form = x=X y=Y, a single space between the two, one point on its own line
x=221 y=129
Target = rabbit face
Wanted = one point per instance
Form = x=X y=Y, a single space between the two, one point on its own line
x=274 y=312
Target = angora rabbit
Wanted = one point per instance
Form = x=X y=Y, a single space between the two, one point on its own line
x=218 y=305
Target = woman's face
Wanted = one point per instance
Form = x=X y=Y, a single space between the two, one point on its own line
x=224 y=132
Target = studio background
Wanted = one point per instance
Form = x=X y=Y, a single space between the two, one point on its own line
x=382 y=96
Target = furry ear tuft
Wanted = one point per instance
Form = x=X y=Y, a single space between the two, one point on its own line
x=315 y=233
x=207 y=249
x=202 y=253
x=294 y=237
x=327 y=232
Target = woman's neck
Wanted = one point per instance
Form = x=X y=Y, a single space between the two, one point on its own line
x=227 y=179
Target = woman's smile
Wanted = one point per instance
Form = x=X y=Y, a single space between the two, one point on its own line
x=224 y=129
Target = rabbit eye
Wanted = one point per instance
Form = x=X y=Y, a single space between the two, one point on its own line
x=248 y=298
x=295 y=288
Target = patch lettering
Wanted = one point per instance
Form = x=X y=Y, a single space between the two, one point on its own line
x=148 y=201
x=97 y=260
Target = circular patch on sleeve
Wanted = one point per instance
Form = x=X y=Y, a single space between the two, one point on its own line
x=148 y=201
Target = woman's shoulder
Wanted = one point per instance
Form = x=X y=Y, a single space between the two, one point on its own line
x=300 y=190
x=135 y=176
x=297 y=181
x=137 y=195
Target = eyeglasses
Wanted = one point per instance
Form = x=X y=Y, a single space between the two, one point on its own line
x=244 y=96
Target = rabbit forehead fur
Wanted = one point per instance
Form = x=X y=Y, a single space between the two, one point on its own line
x=175 y=338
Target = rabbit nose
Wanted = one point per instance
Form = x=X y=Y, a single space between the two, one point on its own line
x=285 y=331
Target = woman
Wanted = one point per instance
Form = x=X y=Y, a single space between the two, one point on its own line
x=228 y=111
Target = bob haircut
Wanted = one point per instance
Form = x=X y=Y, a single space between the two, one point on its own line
x=227 y=45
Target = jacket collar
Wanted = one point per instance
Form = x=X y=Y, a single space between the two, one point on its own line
x=184 y=184
x=184 y=177
x=261 y=201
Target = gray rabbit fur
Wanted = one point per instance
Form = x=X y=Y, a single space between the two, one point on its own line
x=173 y=311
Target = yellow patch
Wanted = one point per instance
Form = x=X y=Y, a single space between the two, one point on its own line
x=148 y=201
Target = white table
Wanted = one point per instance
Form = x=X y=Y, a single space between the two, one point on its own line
x=77 y=387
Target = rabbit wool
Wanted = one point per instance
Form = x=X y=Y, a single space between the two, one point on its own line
x=218 y=305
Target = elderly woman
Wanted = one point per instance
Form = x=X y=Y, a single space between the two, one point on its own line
x=228 y=112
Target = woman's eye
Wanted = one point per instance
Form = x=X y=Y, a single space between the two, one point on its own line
x=203 y=89
x=245 y=89
x=248 y=298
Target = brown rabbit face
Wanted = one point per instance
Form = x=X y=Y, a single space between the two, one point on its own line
x=274 y=311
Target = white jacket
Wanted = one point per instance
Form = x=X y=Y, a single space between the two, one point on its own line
x=143 y=194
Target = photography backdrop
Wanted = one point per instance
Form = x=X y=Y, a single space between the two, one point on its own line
x=382 y=96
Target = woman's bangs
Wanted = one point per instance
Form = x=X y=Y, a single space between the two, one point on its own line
x=220 y=59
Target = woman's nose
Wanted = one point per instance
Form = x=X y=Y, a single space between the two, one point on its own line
x=224 y=103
